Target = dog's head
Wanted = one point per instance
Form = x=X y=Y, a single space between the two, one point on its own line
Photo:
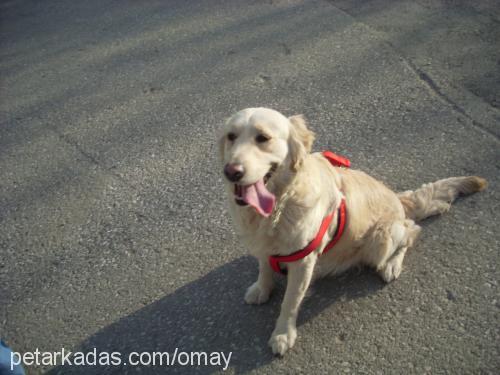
x=256 y=145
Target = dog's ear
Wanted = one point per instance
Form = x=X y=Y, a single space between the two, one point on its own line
x=300 y=141
x=222 y=145
x=222 y=139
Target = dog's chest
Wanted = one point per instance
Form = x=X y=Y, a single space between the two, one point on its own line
x=262 y=238
x=256 y=233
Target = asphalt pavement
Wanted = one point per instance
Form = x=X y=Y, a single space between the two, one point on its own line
x=114 y=232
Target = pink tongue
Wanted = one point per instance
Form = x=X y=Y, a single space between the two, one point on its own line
x=258 y=197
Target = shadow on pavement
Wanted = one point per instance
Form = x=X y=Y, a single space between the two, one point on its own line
x=209 y=315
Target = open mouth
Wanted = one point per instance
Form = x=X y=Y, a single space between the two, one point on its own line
x=256 y=194
x=237 y=195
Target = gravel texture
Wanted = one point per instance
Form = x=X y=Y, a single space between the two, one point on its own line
x=114 y=231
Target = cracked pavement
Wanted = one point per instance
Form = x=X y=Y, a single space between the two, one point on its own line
x=114 y=231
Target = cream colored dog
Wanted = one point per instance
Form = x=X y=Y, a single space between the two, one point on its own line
x=279 y=194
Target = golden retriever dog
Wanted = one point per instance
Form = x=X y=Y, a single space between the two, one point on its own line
x=280 y=194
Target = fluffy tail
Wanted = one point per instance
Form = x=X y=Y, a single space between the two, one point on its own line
x=437 y=197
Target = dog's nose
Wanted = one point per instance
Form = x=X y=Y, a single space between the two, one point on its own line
x=234 y=172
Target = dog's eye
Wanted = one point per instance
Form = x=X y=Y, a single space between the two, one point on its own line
x=261 y=138
x=231 y=136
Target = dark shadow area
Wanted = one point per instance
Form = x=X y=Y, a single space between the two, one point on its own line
x=209 y=315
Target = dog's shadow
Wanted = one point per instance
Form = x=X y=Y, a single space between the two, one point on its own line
x=209 y=315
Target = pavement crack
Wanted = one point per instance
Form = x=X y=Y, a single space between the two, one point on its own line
x=89 y=157
x=286 y=49
x=434 y=87
x=422 y=75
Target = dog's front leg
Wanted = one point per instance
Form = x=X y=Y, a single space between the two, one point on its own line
x=299 y=277
x=260 y=290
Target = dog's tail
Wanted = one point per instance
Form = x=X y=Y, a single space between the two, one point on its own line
x=436 y=197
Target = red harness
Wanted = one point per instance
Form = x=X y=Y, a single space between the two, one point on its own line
x=275 y=260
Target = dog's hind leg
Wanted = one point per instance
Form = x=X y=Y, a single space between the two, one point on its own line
x=260 y=290
x=392 y=268
x=388 y=243
x=402 y=236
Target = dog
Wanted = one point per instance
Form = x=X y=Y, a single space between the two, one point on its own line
x=281 y=196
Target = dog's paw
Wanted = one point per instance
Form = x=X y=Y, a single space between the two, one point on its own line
x=391 y=270
x=256 y=295
x=280 y=342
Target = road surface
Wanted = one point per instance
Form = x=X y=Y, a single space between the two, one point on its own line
x=114 y=231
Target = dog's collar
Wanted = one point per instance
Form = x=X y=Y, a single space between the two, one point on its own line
x=275 y=260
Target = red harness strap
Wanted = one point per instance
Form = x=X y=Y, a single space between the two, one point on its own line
x=275 y=260
x=336 y=160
